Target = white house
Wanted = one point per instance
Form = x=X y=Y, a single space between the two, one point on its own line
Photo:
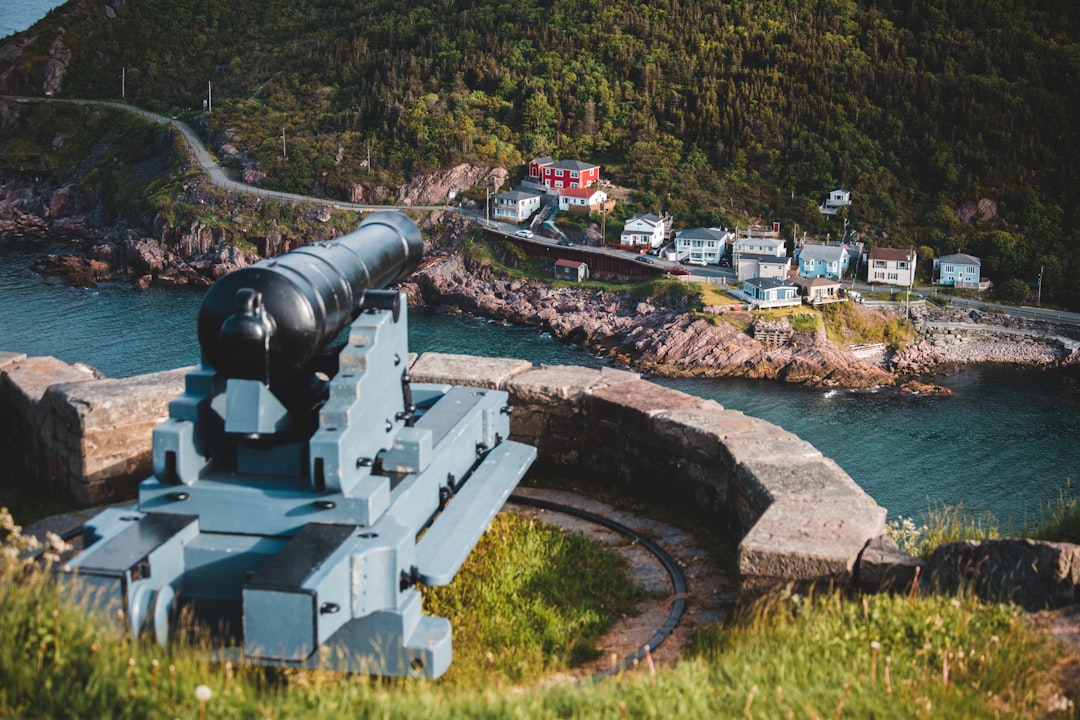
x=837 y=199
x=773 y=246
x=702 y=246
x=819 y=290
x=893 y=266
x=514 y=206
x=648 y=231
x=749 y=266
x=822 y=261
x=581 y=200
x=770 y=292
x=960 y=271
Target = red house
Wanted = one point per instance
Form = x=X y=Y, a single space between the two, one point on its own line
x=564 y=173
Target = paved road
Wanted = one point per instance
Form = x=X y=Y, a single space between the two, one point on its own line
x=214 y=170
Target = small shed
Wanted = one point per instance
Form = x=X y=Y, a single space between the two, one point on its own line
x=574 y=270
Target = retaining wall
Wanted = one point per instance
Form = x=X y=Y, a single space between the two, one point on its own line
x=797 y=514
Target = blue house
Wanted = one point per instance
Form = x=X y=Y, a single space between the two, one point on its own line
x=770 y=292
x=959 y=270
x=823 y=261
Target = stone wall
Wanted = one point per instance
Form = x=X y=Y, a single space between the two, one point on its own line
x=796 y=514
x=76 y=436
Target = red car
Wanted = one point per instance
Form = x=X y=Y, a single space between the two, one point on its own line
x=677 y=271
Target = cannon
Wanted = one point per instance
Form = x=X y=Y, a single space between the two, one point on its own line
x=303 y=485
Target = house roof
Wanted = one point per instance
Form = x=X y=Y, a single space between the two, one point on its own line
x=647 y=218
x=893 y=254
x=765 y=283
x=770 y=242
x=701 y=233
x=960 y=259
x=579 y=192
x=573 y=165
x=829 y=253
x=542 y=161
x=768 y=259
x=575 y=264
x=516 y=195
x=814 y=283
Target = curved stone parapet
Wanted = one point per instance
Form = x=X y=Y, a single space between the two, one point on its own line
x=796 y=514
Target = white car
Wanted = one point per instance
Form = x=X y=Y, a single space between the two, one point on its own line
x=524 y=233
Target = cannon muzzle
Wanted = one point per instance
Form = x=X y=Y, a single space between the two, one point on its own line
x=268 y=321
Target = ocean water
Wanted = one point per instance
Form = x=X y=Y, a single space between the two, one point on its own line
x=1007 y=442
x=18 y=15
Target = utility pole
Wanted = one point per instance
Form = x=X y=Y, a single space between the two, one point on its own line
x=1038 y=298
x=123 y=83
x=487 y=204
x=284 y=154
x=209 y=98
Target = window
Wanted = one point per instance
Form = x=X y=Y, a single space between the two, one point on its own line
x=879 y=263
x=573 y=173
x=558 y=173
x=892 y=276
x=902 y=265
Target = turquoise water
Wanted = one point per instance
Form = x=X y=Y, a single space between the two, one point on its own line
x=1007 y=442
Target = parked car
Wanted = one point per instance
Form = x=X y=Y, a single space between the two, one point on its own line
x=524 y=233
x=677 y=271
x=644 y=259
x=565 y=243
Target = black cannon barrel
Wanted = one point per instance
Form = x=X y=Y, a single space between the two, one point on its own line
x=268 y=321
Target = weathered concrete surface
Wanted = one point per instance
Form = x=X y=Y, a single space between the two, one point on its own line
x=466 y=370
x=96 y=436
x=804 y=538
x=1033 y=574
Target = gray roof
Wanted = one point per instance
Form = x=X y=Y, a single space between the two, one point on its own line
x=701 y=233
x=960 y=259
x=768 y=259
x=516 y=195
x=573 y=165
x=766 y=283
x=828 y=253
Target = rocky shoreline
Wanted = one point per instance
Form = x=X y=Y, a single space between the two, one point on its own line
x=657 y=336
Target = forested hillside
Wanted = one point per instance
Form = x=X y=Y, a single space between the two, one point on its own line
x=718 y=112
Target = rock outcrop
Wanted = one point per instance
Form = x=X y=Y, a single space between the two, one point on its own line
x=661 y=337
x=433 y=188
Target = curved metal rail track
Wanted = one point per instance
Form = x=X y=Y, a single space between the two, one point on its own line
x=678 y=580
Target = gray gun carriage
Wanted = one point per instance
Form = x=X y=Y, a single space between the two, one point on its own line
x=303 y=485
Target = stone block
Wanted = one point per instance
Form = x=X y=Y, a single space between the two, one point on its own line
x=884 y=567
x=763 y=480
x=552 y=383
x=1035 y=575
x=802 y=538
x=96 y=436
x=699 y=427
x=23 y=382
x=468 y=370
x=633 y=405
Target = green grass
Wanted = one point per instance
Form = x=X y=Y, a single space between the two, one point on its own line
x=848 y=324
x=533 y=596
x=789 y=656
